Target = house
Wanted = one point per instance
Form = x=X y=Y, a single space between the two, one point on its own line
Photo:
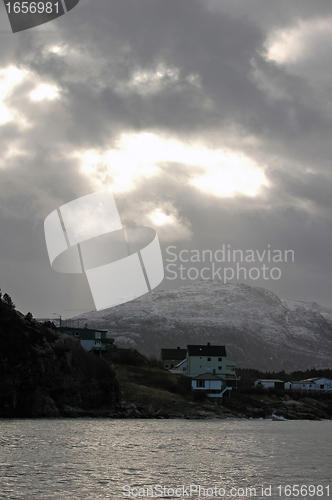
x=172 y=357
x=323 y=384
x=91 y=339
x=269 y=383
x=298 y=385
x=180 y=367
x=213 y=385
x=316 y=384
x=209 y=359
x=207 y=381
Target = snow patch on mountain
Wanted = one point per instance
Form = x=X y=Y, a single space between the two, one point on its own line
x=258 y=328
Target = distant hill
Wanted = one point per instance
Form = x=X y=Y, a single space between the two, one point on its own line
x=258 y=328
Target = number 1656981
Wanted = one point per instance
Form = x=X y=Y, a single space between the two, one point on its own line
x=32 y=8
x=303 y=490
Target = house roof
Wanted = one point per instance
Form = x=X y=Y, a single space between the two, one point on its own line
x=311 y=379
x=206 y=376
x=176 y=354
x=207 y=350
x=179 y=364
x=270 y=380
x=303 y=381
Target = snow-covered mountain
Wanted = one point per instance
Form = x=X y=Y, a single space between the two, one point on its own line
x=258 y=329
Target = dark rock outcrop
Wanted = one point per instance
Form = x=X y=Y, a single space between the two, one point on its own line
x=43 y=372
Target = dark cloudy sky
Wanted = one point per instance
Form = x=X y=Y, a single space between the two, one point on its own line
x=210 y=120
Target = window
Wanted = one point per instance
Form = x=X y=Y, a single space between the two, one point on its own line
x=77 y=334
x=97 y=335
x=200 y=383
x=209 y=359
x=219 y=359
x=166 y=366
x=219 y=367
x=322 y=386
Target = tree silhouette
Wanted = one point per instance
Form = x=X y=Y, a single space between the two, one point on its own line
x=8 y=301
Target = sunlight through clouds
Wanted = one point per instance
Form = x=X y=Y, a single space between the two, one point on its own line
x=152 y=81
x=297 y=43
x=167 y=222
x=55 y=50
x=9 y=79
x=234 y=175
x=138 y=156
x=44 y=91
x=159 y=218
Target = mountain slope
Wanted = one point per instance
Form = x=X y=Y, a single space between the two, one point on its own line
x=259 y=329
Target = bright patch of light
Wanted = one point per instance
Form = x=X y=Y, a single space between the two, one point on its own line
x=151 y=81
x=139 y=156
x=159 y=218
x=44 y=91
x=55 y=50
x=9 y=79
x=235 y=174
x=156 y=75
x=295 y=43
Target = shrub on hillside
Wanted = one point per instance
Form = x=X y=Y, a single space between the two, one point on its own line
x=199 y=395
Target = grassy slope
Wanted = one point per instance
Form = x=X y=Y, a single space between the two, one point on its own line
x=146 y=383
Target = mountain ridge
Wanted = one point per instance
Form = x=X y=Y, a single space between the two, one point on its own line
x=259 y=329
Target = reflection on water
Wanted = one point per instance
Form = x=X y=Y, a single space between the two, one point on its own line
x=96 y=459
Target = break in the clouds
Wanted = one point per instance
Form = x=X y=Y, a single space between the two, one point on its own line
x=210 y=121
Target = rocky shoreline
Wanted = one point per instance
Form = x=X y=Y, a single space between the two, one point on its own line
x=239 y=406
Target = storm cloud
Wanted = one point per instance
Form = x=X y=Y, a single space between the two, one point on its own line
x=209 y=120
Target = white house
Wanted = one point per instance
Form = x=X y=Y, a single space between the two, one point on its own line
x=269 y=383
x=213 y=385
x=315 y=384
x=209 y=359
x=207 y=381
x=321 y=384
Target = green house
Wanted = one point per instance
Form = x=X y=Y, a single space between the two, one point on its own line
x=91 y=339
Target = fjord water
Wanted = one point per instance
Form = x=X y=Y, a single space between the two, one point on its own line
x=96 y=459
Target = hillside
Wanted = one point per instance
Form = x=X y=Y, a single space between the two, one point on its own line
x=47 y=374
x=258 y=328
x=44 y=373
